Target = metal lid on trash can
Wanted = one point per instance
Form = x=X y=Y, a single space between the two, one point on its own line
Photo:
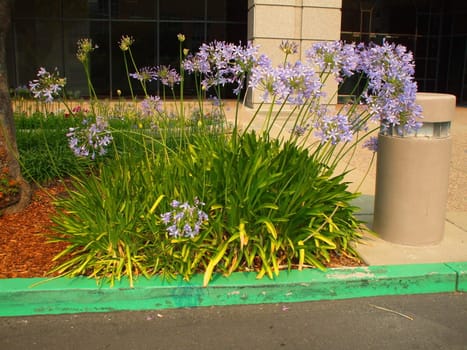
x=436 y=107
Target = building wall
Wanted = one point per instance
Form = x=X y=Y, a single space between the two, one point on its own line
x=302 y=21
x=45 y=32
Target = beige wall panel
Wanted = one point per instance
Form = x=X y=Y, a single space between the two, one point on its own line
x=321 y=24
x=275 y=22
x=323 y=3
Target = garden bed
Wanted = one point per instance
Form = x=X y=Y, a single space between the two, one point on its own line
x=25 y=252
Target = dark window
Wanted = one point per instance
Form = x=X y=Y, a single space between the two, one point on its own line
x=435 y=31
x=45 y=34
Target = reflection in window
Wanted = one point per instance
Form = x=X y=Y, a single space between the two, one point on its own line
x=46 y=33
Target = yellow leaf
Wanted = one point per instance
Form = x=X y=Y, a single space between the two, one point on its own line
x=243 y=235
x=301 y=256
x=156 y=203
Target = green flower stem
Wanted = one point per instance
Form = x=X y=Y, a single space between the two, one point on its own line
x=128 y=76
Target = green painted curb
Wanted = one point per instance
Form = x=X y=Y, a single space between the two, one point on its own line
x=461 y=269
x=39 y=296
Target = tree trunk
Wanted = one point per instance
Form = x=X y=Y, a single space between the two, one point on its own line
x=15 y=193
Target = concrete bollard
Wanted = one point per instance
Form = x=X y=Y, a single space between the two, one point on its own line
x=412 y=175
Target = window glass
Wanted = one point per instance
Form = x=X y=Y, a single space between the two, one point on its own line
x=39 y=44
x=133 y=9
x=99 y=8
x=76 y=9
x=224 y=10
x=36 y=8
x=74 y=71
x=46 y=33
x=182 y=9
x=100 y=59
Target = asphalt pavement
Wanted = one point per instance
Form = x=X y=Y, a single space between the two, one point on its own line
x=428 y=322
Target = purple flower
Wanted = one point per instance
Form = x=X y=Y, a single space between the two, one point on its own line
x=264 y=78
x=173 y=231
x=300 y=130
x=221 y=63
x=337 y=57
x=168 y=76
x=47 y=86
x=371 y=144
x=166 y=217
x=390 y=95
x=90 y=140
x=289 y=47
x=151 y=105
x=145 y=74
x=185 y=220
x=334 y=129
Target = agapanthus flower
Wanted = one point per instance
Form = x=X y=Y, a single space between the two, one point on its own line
x=264 y=78
x=151 y=105
x=91 y=139
x=126 y=42
x=85 y=47
x=221 y=63
x=185 y=219
x=300 y=130
x=337 y=57
x=168 y=76
x=145 y=74
x=302 y=82
x=295 y=83
x=334 y=129
x=391 y=92
x=371 y=143
x=289 y=47
x=48 y=85
x=181 y=37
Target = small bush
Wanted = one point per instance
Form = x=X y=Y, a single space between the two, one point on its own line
x=270 y=205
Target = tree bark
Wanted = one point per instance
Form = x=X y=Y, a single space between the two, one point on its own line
x=15 y=192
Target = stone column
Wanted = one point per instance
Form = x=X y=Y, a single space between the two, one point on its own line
x=412 y=176
x=301 y=21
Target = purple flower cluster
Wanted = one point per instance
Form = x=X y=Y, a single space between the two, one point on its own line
x=145 y=74
x=47 y=86
x=389 y=96
x=168 y=76
x=165 y=74
x=337 y=57
x=184 y=220
x=294 y=83
x=151 y=105
x=391 y=91
x=371 y=143
x=300 y=130
x=334 y=128
x=91 y=139
x=220 y=63
x=389 y=70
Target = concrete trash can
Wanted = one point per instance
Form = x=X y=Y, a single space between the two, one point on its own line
x=412 y=174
